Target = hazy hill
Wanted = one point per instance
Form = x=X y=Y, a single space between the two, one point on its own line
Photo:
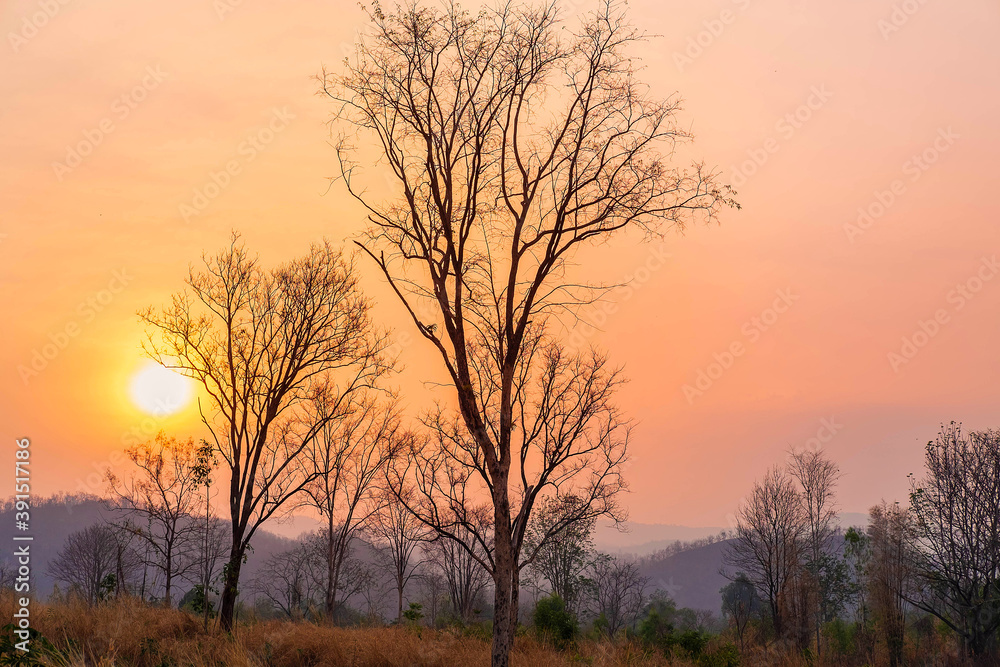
x=691 y=577
x=52 y=520
x=645 y=538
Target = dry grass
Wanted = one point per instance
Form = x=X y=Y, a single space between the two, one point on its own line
x=127 y=632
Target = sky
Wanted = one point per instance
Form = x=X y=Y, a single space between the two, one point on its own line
x=852 y=304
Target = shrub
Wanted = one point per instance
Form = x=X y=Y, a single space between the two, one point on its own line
x=724 y=655
x=414 y=613
x=554 y=621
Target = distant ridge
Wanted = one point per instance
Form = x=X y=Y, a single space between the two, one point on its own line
x=642 y=539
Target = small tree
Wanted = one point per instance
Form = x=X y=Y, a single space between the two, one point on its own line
x=96 y=562
x=398 y=533
x=293 y=580
x=461 y=567
x=740 y=605
x=344 y=462
x=563 y=557
x=857 y=554
x=158 y=503
x=770 y=526
x=617 y=592
x=213 y=533
x=554 y=621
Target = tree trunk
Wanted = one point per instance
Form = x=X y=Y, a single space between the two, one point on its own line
x=206 y=575
x=505 y=593
x=169 y=574
x=230 y=585
x=399 y=610
x=332 y=573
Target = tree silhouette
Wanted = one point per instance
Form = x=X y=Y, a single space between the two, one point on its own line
x=267 y=346
x=511 y=144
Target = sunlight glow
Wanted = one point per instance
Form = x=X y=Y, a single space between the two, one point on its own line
x=160 y=391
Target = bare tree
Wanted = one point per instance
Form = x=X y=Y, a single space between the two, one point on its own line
x=158 y=504
x=433 y=590
x=563 y=558
x=889 y=569
x=817 y=476
x=398 y=533
x=265 y=345
x=956 y=510
x=97 y=561
x=513 y=143
x=372 y=588
x=345 y=461
x=462 y=567
x=617 y=592
x=293 y=580
x=767 y=547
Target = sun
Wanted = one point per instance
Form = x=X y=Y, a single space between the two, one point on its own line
x=160 y=391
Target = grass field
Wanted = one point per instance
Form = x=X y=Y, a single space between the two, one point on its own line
x=127 y=632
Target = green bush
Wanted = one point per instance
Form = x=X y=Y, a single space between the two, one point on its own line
x=692 y=642
x=657 y=630
x=40 y=650
x=414 y=613
x=726 y=655
x=554 y=621
x=840 y=636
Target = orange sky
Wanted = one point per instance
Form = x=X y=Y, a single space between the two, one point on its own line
x=162 y=95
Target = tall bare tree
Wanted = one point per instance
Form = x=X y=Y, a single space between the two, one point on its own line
x=265 y=345
x=770 y=526
x=512 y=143
x=345 y=462
x=158 y=504
x=817 y=476
x=956 y=509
